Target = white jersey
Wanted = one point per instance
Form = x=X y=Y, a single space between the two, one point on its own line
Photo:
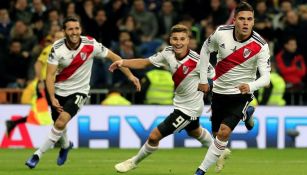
x=75 y=66
x=186 y=77
x=237 y=62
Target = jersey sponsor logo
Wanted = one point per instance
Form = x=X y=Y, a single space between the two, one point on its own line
x=51 y=55
x=234 y=49
x=246 y=52
x=222 y=45
x=236 y=58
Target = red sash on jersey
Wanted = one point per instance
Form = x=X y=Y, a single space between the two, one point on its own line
x=236 y=58
x=79 y=59
x=183 y=71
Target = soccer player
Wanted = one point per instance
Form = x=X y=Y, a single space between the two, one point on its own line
x=68 y=77
x=240 y=52
x=188 y=101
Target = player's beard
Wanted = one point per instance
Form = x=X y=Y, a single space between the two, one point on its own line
x=74 y=39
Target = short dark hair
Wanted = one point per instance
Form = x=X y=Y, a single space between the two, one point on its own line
x=243 y=6
x=69 y=19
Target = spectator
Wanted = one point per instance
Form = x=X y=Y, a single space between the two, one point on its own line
x=290 y=64
x=38 y=10
x=130 y=24
x=167 y=17
x=99 y=28
x=21 y=11
x=218 y=14
x=302 y=11
x=297 y=27
x=38 y=27
x=284 y=7
x=263 y=24
x=125 y=48
x=116 y=10
x=53 y=16
x=17 y=65
x=147 y=20
x=70 y=9
x=86 y=13
x=5 y=24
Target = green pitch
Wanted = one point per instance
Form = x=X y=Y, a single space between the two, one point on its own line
x=179 y=161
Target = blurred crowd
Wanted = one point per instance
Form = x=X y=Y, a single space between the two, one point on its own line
x=139 y=28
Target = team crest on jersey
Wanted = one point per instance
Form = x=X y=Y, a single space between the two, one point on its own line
x=185 y=69
x=246 y=52
x=83 y=55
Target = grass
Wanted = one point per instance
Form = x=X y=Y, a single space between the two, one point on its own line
x=179 y=161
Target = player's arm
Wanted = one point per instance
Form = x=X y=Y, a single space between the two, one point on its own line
x=264 y=67
x=138 y=63
x=50 y=79
x=115 y=58
x=207 y=48
x=157 y=60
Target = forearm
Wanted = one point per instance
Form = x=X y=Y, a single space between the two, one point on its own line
x=203 y=65
x=262 y=81
x=50 y=86
x=138 y=63
x=38 y=68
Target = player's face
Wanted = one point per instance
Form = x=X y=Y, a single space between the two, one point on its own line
x=180 y=42
x=73 y=32
x=244 y=22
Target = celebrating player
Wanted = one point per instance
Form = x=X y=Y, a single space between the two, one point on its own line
x=68 y=77
x=240 y=52
x=188 y=101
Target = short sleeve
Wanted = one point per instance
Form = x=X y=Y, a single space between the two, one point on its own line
x=264 y=64
x=100 y=51
x=53 y=58
x=158 y=59
x=211 y=43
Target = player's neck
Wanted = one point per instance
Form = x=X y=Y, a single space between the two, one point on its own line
x=240 y=38
x=71 y=45
x=182 y=55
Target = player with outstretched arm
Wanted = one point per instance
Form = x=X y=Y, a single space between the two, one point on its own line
x=183 y=63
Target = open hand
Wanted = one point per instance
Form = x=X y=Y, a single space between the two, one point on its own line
x=56 y=105
x=116 y=65
x=136 y=83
